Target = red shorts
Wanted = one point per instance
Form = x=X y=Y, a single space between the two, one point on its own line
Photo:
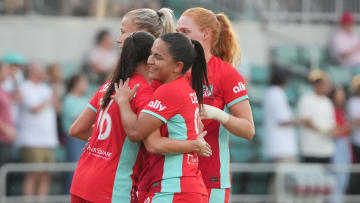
x=77 y=199
x=170 y=197
x=218 y=195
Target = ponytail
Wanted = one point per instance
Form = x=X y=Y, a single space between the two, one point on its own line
x=123 y=70
x=192 y=55
x=166 y=16
x=135 y=51
x=226 y=46
x=223 y=44
x=199 y=72
x=155 y=22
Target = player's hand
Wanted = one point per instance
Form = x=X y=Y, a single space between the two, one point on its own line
x=204 y=147
x=123 y=91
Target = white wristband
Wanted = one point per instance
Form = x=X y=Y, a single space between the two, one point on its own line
x=216 y=113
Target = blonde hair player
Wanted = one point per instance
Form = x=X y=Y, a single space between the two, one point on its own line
x=148 y=20
x=227 y=91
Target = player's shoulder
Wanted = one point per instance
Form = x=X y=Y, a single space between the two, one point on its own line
x=170 y=91
x=223 y=67
x=219 y=63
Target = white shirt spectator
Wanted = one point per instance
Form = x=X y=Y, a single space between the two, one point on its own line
x=320 y=111
x=279 y=141
x=104 y=59
x=353 y=109
x=344 y=42
x=36 y=129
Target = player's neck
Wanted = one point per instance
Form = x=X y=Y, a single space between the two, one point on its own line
x=143 y=70
x=208 y=55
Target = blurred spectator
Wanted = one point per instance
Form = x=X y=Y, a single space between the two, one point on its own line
x=102 y=58
x=317 y=144
x=55 y=79
x=353 y=108
x=75 y=101
x=37 y=129
x=346 y=43
x=244 y=69
x=7 y=130
x=56 y=83
x=342 y=153
x=15 y=63
x=280 y=142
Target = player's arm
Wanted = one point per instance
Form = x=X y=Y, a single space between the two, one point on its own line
x=240 y=123
x=82 y=127
x=156 y=144
x=136 y=128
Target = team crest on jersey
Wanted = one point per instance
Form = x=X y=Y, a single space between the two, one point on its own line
x=208 y=92
x=239 y=87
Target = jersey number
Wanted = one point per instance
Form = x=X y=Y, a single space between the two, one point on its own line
x=104 y=116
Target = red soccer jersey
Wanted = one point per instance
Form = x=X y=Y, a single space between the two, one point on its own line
x=227 y=87
x=106 y=170
x=175 y=104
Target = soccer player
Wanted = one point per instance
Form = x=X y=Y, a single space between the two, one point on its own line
x=175 y=108
x=107 y=169
x=145 y=19
x=227 y=90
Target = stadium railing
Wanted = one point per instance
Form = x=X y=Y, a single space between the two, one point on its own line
x=292 y=182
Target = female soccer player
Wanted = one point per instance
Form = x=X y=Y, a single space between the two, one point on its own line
x=174 y=107
x=145 y=19
x=107 y=169
x=227 y=90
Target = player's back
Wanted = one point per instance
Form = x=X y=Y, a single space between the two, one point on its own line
x=105 y=168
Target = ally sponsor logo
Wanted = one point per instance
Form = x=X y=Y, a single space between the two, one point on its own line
x=239 y=87
x=157 y=105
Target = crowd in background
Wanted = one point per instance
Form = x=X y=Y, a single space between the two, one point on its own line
x=38 y=107
x=327 y=116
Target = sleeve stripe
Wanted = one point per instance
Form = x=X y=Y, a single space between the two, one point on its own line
x=154 y=114
x=237 y=100
x=91 y=107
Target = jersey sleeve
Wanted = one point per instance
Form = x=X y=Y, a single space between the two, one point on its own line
x=164 y=104
x=95 y=102
x=233 y=87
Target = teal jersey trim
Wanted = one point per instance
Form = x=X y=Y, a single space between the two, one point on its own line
x=237 y=100
x=173 y=162
x=162 y=197
x=217 y=195
x=177 y=128
x=154 y=114
x=91 y=107
x=123 y=182
x=224 y=154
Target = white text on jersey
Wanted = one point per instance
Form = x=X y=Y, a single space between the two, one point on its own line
x=157 y=105
x=193 y=98
x=239 y=87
